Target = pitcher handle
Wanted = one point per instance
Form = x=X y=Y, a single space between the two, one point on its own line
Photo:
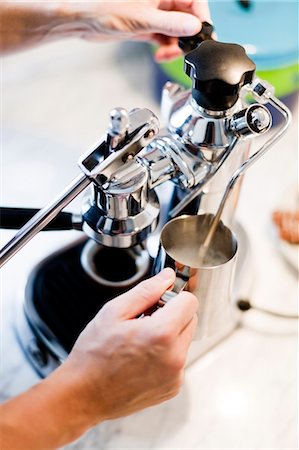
x=182 y=278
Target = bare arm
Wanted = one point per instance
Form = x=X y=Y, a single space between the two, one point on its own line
x=118 y=365
x=47 y=416
x=23 y=25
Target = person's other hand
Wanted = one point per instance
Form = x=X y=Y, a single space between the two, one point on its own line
x=121 y=364
x=158 y=21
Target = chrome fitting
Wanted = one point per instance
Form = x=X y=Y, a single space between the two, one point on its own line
x=261 y=90
x=256 y=119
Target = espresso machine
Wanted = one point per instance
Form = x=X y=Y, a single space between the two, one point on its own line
x=204 y=145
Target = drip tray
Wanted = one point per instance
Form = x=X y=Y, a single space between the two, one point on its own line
x=60 y=299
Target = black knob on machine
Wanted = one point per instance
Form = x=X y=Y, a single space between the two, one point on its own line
x=218 y=71
x=189 y=43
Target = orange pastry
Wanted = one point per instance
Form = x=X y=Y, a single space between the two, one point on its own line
x=287 y=223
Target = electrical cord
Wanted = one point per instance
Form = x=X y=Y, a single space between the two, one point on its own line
x=244 y=305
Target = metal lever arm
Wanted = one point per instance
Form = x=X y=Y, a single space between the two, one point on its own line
x=42 y=218
x=15 y=218
x=144 y=126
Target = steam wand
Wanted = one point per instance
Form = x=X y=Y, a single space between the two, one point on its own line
x=246 y=164
x=198 y=189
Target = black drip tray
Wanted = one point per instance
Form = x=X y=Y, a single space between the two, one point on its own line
x=64 y=297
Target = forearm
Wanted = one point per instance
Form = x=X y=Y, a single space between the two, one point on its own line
x=23 y=25
x=161 y=21
x=48 y=416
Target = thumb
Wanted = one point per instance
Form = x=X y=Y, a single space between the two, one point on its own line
x=172 y=23
x=144 y=295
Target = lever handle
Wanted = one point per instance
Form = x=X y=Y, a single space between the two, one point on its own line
x=42 y=218
x=15 y=218
x=144 y=126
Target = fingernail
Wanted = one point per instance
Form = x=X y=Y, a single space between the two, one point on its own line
x=166 y=274
x=191 y=26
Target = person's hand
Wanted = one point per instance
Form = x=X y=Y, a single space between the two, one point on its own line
x=121 y=364
x=158 y=21
x=25 y=24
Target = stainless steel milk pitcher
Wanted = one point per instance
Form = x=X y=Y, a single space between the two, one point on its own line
x=211 y=278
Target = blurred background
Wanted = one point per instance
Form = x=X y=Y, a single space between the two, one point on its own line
x=268 y=30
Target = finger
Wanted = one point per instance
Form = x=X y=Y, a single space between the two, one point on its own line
x=177 y=313
x=143 y=296
x=156 y=38
x=161 y=39
x=182 y=342
x=200 y=8
x=187 y=335
x=172 y=23
x=167 y=52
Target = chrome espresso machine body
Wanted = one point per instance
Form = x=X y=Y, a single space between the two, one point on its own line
x=205 y=141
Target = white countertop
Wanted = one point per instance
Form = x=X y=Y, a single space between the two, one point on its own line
x=243 y=393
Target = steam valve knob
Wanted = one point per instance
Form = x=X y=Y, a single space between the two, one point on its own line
x=188 y=43
x=218 y=71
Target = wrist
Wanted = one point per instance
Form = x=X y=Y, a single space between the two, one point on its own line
x=55 y=414
x=69 y=393
x=62 y=20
